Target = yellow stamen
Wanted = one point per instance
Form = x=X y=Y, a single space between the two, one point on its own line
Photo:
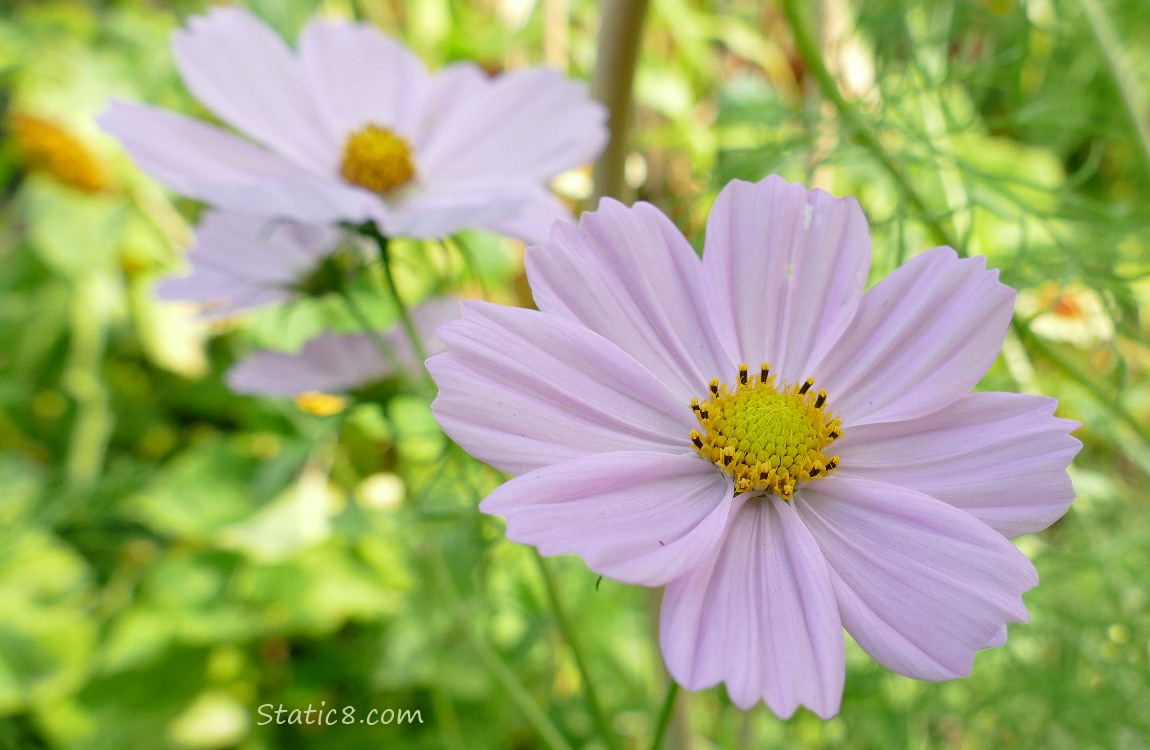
x=320 y=404
x=377 y=159
x=767 y=437
x=45 y=146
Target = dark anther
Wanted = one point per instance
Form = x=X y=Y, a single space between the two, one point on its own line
x=697 y=441
x=703 y=412
x=815 y=472
x=695 y=405
x=764 y=372
x=831 y=465
x=821 y=399
x=727 y=458
x=806 y=386
x=714 y=387
x=834 y=435
x=743 y=374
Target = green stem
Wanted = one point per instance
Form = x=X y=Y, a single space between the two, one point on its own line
x=589 y=693
x=369 y=229
x=856 y=123
x=1106 y=36
x=371 y=330
x=665 y=715
x=620 y=33
x=491 y=660
x=81 y=379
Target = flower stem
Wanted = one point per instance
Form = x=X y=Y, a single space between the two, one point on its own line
x=369 y=229
x=620 y=31
x=535 y=716
x=589 y=693
x=665 y=715
x=371 y=330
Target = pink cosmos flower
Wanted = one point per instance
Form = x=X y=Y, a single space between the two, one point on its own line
x=339 y=362
x=240 y=261
x=352 y=128
x=788 y=455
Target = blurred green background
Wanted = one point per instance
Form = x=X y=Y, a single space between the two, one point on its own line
x=173 y=556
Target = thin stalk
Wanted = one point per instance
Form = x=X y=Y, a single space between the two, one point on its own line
x=620 y=32
x=366 y=325
x=589 y=693
x=522 y=699
x=856 y=123
x=1106 y=36
x=665 y=715
x=81 y=379
x=369 y=229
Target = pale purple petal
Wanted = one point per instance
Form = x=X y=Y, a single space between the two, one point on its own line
x=533 y=221
x=784 y=269
x=528 y=124
x=921 y=585
x=241 y=261
x=997 y=639
x=338 y=362
x=242 y=71
x=521 y=389
x=214 y=166
x=437 y=210
x=1001 y=457
x=923 y=337
x=629 y=275
x=759 y=615
x=330 y=363
x=641 y=518
x=356 y=76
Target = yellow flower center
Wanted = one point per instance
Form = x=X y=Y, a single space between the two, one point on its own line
x=320 y=404
x=766 y=437
x=47 y=147
x=377 y=159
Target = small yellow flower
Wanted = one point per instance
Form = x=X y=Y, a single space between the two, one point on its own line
x=46 y=146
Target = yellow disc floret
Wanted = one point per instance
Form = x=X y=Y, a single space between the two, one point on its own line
x=320 y=404
x=767 y=437
x=377 y=159
x=45 y=146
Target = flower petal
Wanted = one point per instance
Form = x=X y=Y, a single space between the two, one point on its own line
x=338 y=362
x=920 y=584
x=242 y=261
x=638 y=517
x=1001 y=457
x=212 y=165
x=437 y=210
x=923 y=337
x=629 y=275
x=330 y=363
x=529 y=123
x=998 y=639
x=244 y=73
x=521 y=389
x=759 y=615
x=784 y=269
x=356 y=76
x=533 y=221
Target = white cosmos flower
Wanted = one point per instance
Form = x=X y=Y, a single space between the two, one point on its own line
x=351 y=127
